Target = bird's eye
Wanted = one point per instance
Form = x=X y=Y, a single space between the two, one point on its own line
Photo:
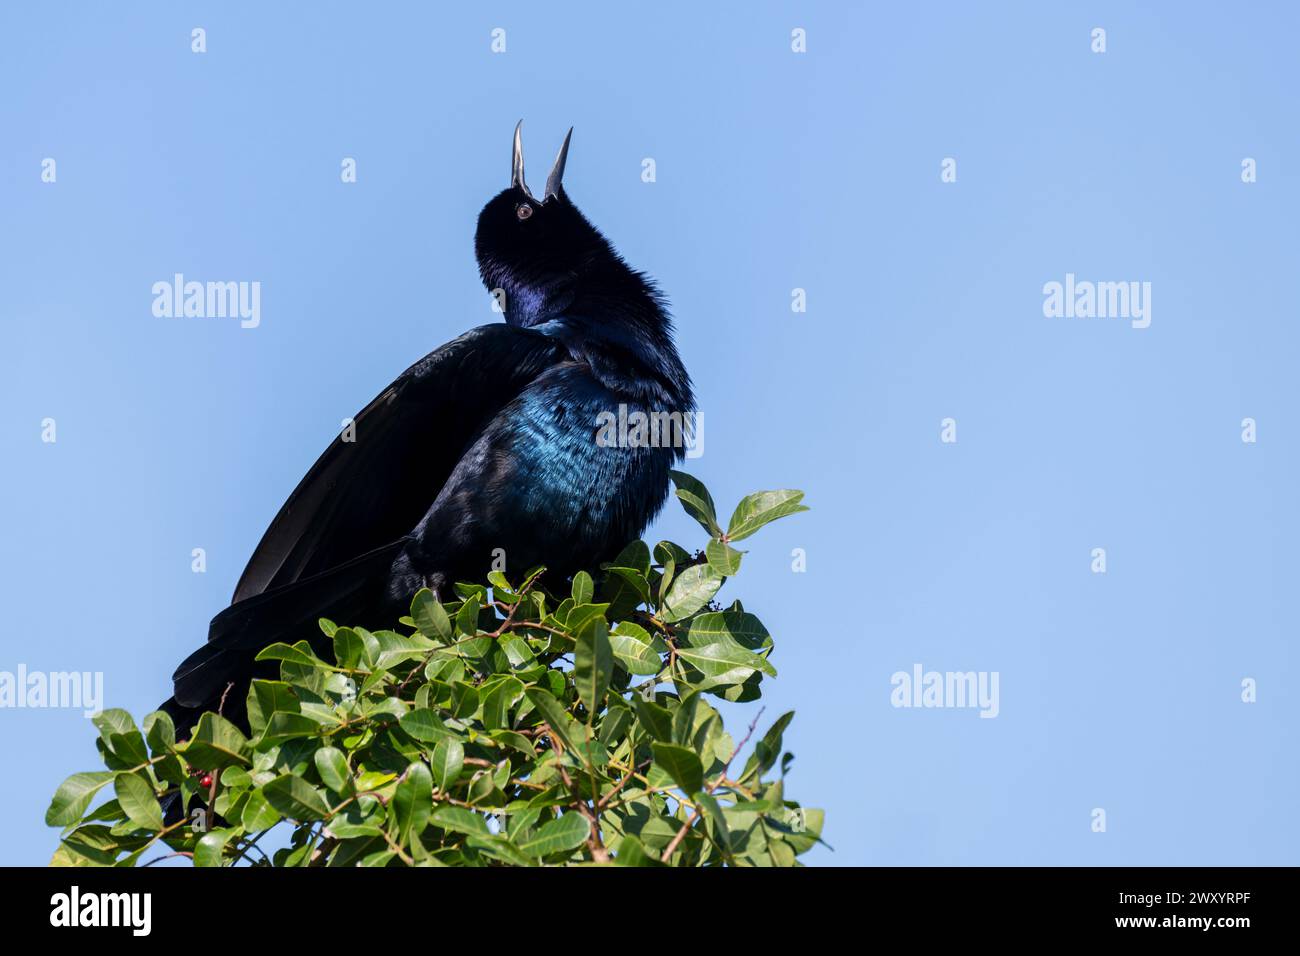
x=523 y=211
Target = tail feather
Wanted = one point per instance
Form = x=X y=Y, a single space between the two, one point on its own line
x=217 y=675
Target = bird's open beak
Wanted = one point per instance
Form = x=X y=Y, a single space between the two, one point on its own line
x=553 y=181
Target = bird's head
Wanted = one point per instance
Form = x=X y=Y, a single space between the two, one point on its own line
x=552 y=270
x=537 y=250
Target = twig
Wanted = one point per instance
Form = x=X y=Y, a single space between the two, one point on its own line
x=604 y=801
x=168 y=856
x=222 y=705
x=250 y=845
x=681 y=834
x=474 y=637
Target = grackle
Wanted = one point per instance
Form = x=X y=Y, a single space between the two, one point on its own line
x=489 y=442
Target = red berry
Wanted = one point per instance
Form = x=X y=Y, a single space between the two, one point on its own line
x=206 y=781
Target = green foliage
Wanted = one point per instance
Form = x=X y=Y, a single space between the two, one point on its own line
x=505 y=727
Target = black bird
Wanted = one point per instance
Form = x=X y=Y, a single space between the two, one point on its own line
x=489 y=442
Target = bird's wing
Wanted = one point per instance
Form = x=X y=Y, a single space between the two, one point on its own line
x=365 y=493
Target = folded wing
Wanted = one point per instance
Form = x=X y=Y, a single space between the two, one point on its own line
x=368 y=492
x=331 y=546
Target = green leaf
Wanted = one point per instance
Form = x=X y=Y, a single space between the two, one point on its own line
x=349 y=649
x=378 y=859
x=374 y=780
x=498 y=701
x=516 y=650
x=115 y=720
x=515 y=741
x=723 y=558
x=758 y=509
x=697 y=501
x=294 y=654
x=363 y=818
x=73 y=797
x=267 y=697
x=464 y=699
x=425 y=725
x=211 y=847
x=632 y=853
x=129 y=747
x=690 y=591
x=737 y=627
x=521 y=820
x=803 y=840
x=467 y=617
x=92 y=845
x=715 y=659
x=592 y=752
x=682 y=764
x=766 y=750
x=654 y=718
x=618 y=717
x=460 y=820
x=666 y=551
x=413 y=802
x=593 y=664
x=123 y=744
x=635 y=556
x=137 y=800
x=284 y=727
x=448 y=759
x=500 y=848
x=567 y=832
x=430 y=616
x=393 y=648
x=582 y=615
x=216 y=743
x=684 y=719
x=717 y=822
x=65 y=855
x=583 y=589
x=624 y=590
x=108 y=810
x=295 y=798
x=332 y=766
x=671 y=557
x=258 y=814
x=554 y=715
x=635 y=649
x=160 y=731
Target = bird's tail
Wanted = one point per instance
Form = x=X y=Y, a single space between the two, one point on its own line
x=216 y=676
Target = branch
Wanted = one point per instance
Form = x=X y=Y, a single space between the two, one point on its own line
x=681 y=834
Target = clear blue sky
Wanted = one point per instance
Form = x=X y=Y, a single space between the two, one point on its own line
x=775 y=170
